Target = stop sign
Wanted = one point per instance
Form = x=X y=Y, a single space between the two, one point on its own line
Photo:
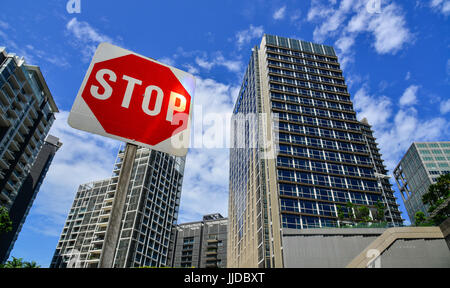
x=135 y=99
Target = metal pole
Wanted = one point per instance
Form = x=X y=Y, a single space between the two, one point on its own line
x=115 y=220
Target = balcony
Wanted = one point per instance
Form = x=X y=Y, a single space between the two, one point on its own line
x=12 y=114
x=8 y=155
x=19 y=138
x=15 y=176
x=10 y=185
x=98 y=239
x=4 y=99
x=103 y=223
x=13 y=146
x=33 y=113
x=4 y=164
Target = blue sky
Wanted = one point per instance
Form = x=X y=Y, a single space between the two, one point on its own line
x=396 y=62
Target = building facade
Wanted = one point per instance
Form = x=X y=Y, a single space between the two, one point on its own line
x=298 y=152
x=27 y=194
x=392 y=212
x=422 y=164
x=201 y=244
x=149 y=216
x=27 y=112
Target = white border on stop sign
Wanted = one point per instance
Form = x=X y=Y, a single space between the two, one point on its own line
x=82 y=118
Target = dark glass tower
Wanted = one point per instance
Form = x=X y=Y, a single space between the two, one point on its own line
x=299 y=152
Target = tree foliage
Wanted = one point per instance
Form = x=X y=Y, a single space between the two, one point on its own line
x=5 y=221
x=419 y=218
x=19 y=263
x=360 y=213
x=437 y=194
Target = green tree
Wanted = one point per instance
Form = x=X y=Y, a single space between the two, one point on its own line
x=350 y=206
x=14 y=263
x=380 y=211
x=31 y=264
x=5 y=221
x=437 y=194
x=363 y=214
x=340 y=212
x=19 y=263
x=419 y=218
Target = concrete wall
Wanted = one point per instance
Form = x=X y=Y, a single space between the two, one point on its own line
x=325 y=248
x=416 y=253
x=407 y=247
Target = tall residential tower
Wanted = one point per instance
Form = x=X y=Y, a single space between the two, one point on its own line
x=27 y=112
x=298 y=151
x=27 y=194
x=150 y=215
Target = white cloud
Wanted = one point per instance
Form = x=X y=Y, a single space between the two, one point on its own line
x=244 y=37
x=82 y=158
x=377 y=109
x=447 y=68
x=4 y=25
x=408 y=76
x=397 y=130
x=205 y=186
x=279 y=14
x=219 y=60
x=352 y=18
x=85 y=37
x=167 y=60
x=344 y=49
x=409 y=97
x=295 y=16
x=445 y=106
x=443 y=6
x=390 y=31
x=32 y=54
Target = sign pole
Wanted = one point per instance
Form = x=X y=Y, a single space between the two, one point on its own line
x=111 y=240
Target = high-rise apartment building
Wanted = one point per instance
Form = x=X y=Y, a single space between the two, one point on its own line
x=26 y=114
x=422 y=164
x=392 y=212
x=150 y=214
x=27 y=194
x=201 y=244
x=302 y=110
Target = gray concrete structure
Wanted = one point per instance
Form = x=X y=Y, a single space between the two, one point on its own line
x=405 y=247
x=325 y=248
x=201 y=244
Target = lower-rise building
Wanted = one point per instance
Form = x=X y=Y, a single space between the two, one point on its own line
x=201 y=244
x=422 y=164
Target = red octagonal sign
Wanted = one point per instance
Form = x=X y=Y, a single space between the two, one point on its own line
x=135 y=99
